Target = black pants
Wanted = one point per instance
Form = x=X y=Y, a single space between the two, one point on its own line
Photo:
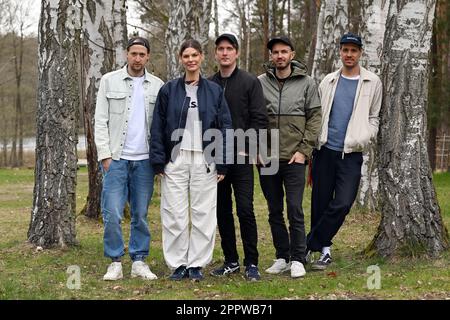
x=335 y=186
x=288 y=245
x=240 y=178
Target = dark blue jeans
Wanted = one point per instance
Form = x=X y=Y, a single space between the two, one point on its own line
x=130 y=181
x=290 y=178
x=335 y=186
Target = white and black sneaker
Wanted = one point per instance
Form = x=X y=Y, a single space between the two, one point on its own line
x=323 y=262
x=226 y=269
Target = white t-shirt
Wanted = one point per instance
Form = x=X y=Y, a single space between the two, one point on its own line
x=192 y=135
x=136 y=144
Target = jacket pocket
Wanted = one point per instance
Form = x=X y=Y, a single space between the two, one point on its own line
x=117 y=102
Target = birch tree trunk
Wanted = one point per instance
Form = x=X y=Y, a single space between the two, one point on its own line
x=103 y=50
x=331 y=25
x=411 y=220
x=188 y=19
x=216 y=19
x=371 y=29
x=53 y=213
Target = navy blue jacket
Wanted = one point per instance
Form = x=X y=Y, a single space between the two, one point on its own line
x=171 y=112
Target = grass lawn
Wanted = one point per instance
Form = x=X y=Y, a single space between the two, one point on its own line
x=26 y=273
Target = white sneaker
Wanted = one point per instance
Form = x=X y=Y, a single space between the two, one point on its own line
x=114 y=272
x=141 y=269
x=297 y=269
x=279 y=266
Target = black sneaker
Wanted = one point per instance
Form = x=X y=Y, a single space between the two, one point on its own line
x=226 y=269
x=323 y=262
x=179 y=273
x=252 y=273
x=195 y=274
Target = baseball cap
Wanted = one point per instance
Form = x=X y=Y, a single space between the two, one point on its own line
x=230 y=37
x=138 y=41
x=282 y=39
x=351 y=38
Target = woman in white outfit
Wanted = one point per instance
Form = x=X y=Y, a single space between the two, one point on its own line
x=185 y=109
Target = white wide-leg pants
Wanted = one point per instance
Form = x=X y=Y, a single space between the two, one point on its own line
x=188 y=183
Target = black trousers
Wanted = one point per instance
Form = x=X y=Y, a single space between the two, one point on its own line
x=335 y=186
x=291 y=245
x=239 y=179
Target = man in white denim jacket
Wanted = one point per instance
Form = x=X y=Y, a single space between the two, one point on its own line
x=351 y=100
x=123 y=116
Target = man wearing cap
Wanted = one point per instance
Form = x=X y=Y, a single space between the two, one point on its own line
x=123 y=116
x=243 y=93
x=351 y=100
x=293 y=106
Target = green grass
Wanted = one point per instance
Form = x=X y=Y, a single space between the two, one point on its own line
x=29 y=274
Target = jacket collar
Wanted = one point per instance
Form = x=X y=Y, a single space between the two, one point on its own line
x=299 y=68
x=235 y=71
x=180 y=81
x=126 y=76
x=363 y=73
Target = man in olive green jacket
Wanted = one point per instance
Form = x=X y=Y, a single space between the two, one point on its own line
x=294 y=110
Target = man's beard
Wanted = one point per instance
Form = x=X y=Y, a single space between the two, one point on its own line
x=283 y=67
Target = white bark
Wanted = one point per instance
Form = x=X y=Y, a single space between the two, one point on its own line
x=411 y=219
x=331 y=25
x=188 y=19
x=372 y=30
x=103 y=50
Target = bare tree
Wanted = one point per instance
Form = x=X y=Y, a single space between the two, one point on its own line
x=54 y=201
x=103 y=47
x=188 y=19
x=17 y=16
x=411 y=219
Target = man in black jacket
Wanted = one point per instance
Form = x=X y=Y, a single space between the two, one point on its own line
x=244 y=95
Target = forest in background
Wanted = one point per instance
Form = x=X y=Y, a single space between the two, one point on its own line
x=254 y=21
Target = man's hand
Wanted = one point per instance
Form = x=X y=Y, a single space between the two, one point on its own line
x=106 y=163
x=220 y=177
x=298 y=157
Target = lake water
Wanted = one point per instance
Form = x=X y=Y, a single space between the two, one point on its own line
x=29 y=143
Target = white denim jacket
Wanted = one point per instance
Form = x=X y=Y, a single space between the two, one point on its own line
x=363 y=124
x=113 y=110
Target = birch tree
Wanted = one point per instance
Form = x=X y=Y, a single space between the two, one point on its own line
x=103 y=50
x=331 y=25
x=411 y=219
x=188 y=19
x=371 y=29
x=53 y=212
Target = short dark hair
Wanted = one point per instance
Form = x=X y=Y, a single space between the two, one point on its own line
x=138 y=41
x=191 y=43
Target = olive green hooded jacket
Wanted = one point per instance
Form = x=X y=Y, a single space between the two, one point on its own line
x=293 y=108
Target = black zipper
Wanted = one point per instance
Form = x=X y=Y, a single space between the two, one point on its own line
x=279 y=103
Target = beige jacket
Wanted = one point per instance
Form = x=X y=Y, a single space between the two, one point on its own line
x=113 y=110
x=363 y=124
